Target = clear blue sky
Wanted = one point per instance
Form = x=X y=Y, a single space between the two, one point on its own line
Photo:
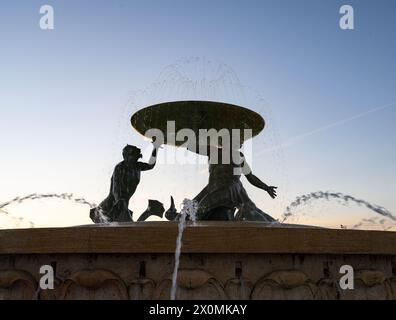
x=63 y=93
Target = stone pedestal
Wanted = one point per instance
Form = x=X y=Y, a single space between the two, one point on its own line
x=220 y=260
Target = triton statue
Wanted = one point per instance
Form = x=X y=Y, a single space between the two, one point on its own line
x=124 y=182
x=224 y=193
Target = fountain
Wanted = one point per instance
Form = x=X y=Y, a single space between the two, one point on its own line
x=220 y=246
x=217 y=131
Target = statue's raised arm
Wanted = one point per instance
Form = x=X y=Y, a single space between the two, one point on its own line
x=143 y=166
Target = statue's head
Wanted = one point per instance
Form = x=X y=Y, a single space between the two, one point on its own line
x=131 y=153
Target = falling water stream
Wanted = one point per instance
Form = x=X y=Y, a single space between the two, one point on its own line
x=189 y=210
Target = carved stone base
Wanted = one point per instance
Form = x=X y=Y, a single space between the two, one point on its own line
x=219 y=261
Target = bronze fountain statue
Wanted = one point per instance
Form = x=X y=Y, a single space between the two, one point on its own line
x=224 y=197
x=124 y=182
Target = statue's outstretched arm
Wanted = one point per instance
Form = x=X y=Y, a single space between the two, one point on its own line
x=260 y=184
x=152 y=161
x=255 y=181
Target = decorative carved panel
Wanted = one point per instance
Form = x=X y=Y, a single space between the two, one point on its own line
x=327 y=290
x=369 y=285
x=238 y=289
x=17 y=285
x=93 y=285
x=284 y=285
x=141 y=289
x=51 y=294
x=192 y=284
x=392 y=285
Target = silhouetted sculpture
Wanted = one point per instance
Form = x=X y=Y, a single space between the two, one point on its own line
x=224 y=192
x=154 y=208
x=124 y=182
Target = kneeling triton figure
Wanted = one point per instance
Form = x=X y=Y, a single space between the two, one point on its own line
x=124 y=181
x=224 y=193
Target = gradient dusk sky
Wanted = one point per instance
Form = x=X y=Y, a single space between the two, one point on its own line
x=330 y=93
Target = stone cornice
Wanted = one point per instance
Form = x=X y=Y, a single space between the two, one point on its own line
x=204 y=237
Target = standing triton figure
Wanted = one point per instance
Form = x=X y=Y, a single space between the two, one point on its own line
x=124 y=182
